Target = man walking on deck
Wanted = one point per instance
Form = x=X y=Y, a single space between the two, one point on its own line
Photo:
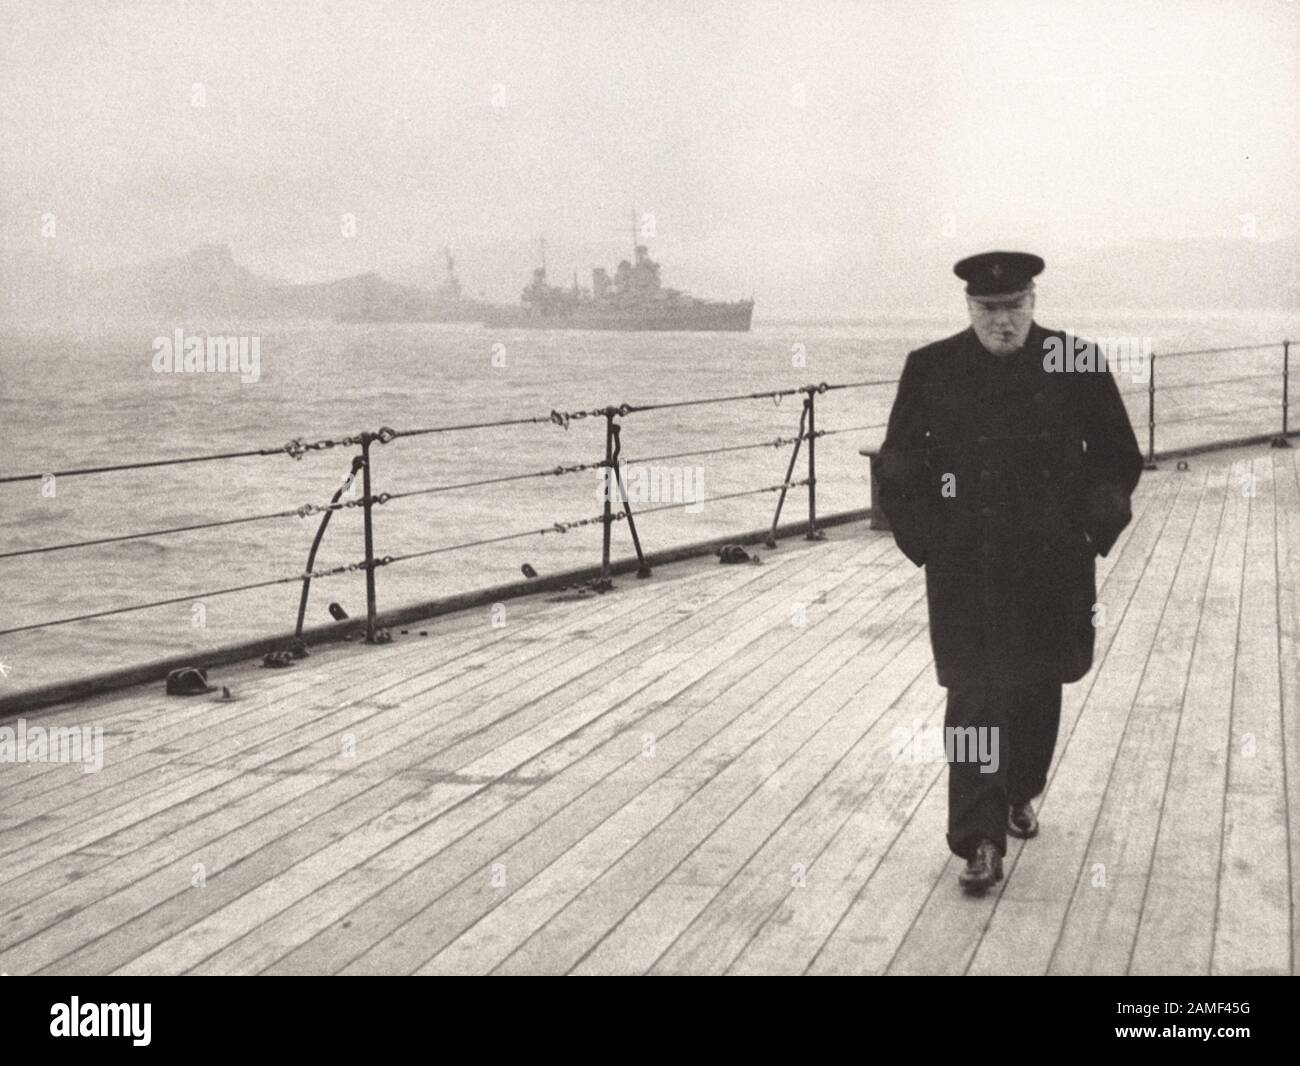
x=1006 y=470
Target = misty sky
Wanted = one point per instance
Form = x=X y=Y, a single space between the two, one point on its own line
x=924 y=126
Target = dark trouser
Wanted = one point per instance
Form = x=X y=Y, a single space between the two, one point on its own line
x=1026 y=718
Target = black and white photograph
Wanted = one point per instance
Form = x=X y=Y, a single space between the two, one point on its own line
x=583 y=487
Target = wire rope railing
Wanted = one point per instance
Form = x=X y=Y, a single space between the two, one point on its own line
x=617 y=504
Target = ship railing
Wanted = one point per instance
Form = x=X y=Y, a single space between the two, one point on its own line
x=617 y=507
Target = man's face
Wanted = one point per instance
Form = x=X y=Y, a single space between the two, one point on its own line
x=1002 y=322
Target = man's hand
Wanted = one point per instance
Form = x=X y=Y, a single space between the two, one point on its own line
x=1107 y=512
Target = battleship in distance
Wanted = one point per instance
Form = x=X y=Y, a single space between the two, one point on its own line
x=208 y=280
x=633 y=299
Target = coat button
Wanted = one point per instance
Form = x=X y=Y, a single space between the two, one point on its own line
x=985 y=476
x=987 y=512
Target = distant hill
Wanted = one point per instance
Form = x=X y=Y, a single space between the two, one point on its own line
x=207 y=283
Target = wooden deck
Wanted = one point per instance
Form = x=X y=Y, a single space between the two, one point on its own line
x=697 y=774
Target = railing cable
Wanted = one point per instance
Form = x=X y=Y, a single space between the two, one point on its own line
x=564 y=527
x=331 y=572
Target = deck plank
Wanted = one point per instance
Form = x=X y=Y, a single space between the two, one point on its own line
x=143 y=713
x=434 y=902
x=1176 y=931
x=1286 y=484
x=776 y=833
x=1253 y=919
x=613 y=849
x=761 y=871
x=231 y=832
x=1102 y=917
x=271 y=751
x=418 y=863
x=305 y=706
x=371 y=814
x=813 y=727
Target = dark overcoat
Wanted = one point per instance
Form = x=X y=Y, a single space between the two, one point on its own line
x=1005 y=478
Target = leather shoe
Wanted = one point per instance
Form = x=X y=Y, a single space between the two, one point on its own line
x=1022 y=822
x=983 y=869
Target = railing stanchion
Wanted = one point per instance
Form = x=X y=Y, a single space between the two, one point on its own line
x=1151 y=415
x=789 y=473
x=315 y=544
x=1281 y=441
x=366 y=438
x=813 y=532
x=608 y=518
x=642 y=568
